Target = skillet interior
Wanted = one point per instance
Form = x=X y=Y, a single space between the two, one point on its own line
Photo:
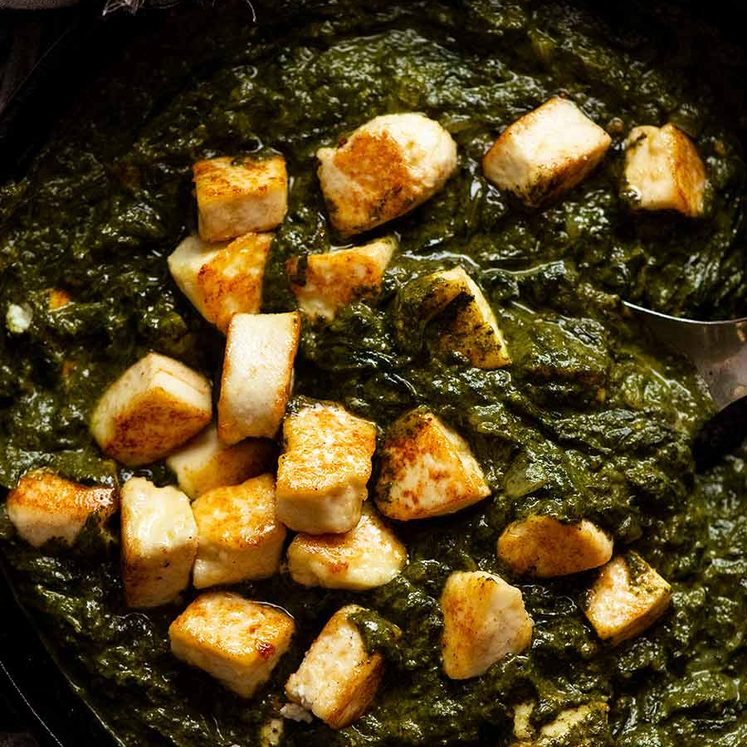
x=58 y=708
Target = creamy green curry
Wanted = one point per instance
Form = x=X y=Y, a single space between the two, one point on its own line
x=593 y=419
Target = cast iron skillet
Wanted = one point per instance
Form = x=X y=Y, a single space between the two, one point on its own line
x=71 y=47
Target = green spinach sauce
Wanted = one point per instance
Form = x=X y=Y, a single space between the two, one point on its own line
x=592 y=419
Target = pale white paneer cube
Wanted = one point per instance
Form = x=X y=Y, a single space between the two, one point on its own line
x=471 y=328
x=367 y=556
x=235 y=640
x=222 y=279
x=44 y=506
x=338 y=678
x=324 y=468
x=384 y=169
x=154 y=407
x=206 y=462
x=484 y=621
x=427 y=469
x=240 y=195
x=579 y=726
x=545 y=547
x=627 y=597
x=257 y=375
x=546 y=153
x=240 y=538
x=663 y=171
x=325 y=283
x=159 y=543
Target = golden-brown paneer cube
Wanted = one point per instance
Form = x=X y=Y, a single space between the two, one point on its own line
x=257 y=375
x=384 y=169
x=206 y=462
x=240 y=539
x=546 y=153
x=579 y=726
x=240 y=195
x=484 y=620
x=663 y=171
x=338 y=678
x=159 y=543
x=324 y=283
x=472 y=329
x=324 y=468
x=627 y=597
x=235 y=640
x=154 y=407
x=44 y=506
x=427 y=470
x=367 y=556
x=545 y=547
x=222 y=279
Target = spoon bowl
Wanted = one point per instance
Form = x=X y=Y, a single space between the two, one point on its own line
x=719 y=352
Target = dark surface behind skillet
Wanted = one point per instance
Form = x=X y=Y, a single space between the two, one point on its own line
x=68 y=46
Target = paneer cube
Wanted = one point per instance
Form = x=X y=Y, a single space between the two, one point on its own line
x=324 y=468
x=240 y=195
x=235 y=640
x=384 y=169
x=545 y=547
x=469 y=325
x=206 y=462
x=240 y=538
x=159 y=543
x=663 y=171
x=484 y=620
x=427 y=470
x=546 y=153
x=44 y=506
x=627 y=597
x=151 y=409
x=338 y=678
x=367 y=556
x=222 y=279
x=581 y=726
x=257 y=375
x=325 y=283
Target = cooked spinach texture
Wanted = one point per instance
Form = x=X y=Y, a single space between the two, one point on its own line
x=592 y=419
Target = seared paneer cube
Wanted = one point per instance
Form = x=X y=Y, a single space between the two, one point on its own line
x=546 y=153
x=154 y=407
x=240 y=195
x=44 y=506
x=222 y=279
x=159 y=543
x=257 y=375
x=367 y=556
x=206 y=462
x=235 y=640
x=325 y=283
x=627 y=597
x=338 y=678
x=469 y=325
x=324 y=468
x=581 y=726
x=545 y=547
x=484 y=620
x=427 y=469
x=240 y=538
x=663 y=171
x=384 y=169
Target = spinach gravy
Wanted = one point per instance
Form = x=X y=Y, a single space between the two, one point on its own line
x=593 y=419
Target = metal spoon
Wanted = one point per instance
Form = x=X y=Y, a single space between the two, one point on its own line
x=719 y=352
